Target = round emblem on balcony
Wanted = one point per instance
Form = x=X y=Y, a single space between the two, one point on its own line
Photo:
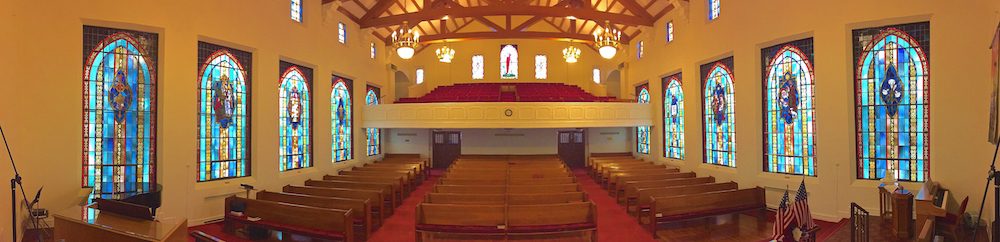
x=508 y=112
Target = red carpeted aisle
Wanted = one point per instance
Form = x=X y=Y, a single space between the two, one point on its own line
x=613 y=224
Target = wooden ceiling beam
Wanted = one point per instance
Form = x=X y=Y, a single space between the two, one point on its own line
x=438 y=13
x=377 y=10
x=528 y=23
x=636 y=9
x=349 y=15
x=663 y=12
x=489 y=23
x=361 y=5
x=437 y=38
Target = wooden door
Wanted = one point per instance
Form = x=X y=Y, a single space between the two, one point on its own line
x=447 y=147
x=572 y=147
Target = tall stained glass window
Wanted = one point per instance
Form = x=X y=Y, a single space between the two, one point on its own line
x=420 y=75
x=639 y=50
x=374 y=135
x=477 y=67
x=789 y=108
x=597 y=75
x=673 y=117
x=642 y=132
x=719 y=116
x=341 y=108
x=294 y=117
x=892 y=98
x=341 y=32
x=670 y=31
x=223 y=112
x=713 y=9
x=508 y=62
x=297 y=10
x=119 y=111
x=541 y=67
x=372 y=46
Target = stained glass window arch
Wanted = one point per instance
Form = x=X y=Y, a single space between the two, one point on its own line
x=295 y=117
x=119 y=111
x=223 y=112
x=342 y=123
x=789 y=108
x=477 y=67
x=639 y=50
x=714 y=6
x=296 y=10
x=892 y=99
x=541 y=67
x=642 y=132
x=673 y=117
x=670 y=31
x=718 y=109
x=374 y=135
x=508 y=62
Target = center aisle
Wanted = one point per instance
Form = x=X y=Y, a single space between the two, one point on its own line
x=613 y=223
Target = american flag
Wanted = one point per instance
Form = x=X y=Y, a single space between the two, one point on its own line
x=801 y=210
x=782 y=220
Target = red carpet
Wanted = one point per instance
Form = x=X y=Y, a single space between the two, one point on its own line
x=613 y=224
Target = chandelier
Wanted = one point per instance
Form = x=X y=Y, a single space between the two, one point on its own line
x=607 y=40
x=445 y=54
x=571 y=54
x=405 y=41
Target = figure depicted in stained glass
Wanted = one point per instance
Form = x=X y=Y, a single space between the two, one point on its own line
x=789 y=140
x=295 y=111
x=373 y=134
x=340 y=100
x=119 y=112
x=223 y=122
x=719 y=123
x=673 y=117
x=892 y=82
x=508 y=62
x=642 y=132
x=477 y=67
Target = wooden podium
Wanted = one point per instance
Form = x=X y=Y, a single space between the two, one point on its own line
x=901 y=211
x=91 y=225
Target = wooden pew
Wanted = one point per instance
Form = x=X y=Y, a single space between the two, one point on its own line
x=675 y=208
x=465 y=198
x=607 y=171
x=379 y=210
x=553 y=220
x=397 y=184
x=406 y=185
x=384 y=188
x=323 y=223
x=450 y=220
x=471 y=181
x=618 y=189
x=417 y=177
x=362 y=208
x=409 y=181
x=470 y=189
x=646 y=194
x=632 y=187
x=615 y=174
x=546 y=198
x=542 y=181
x=527 y=189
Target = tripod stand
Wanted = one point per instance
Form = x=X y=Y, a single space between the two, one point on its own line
x=994 y=175
x=14 y=184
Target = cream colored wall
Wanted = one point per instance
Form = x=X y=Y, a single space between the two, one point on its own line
x=41 y=96
x=7 y=100
x=960 y=35
x=460 y=70
x=506 y=141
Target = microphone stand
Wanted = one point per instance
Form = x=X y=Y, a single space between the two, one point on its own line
x=14 y=184
x=993 y=175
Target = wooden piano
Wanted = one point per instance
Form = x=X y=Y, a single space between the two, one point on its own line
x=931 y=202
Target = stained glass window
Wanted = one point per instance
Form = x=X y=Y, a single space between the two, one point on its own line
x=223 y=112
x=597 y=76
x=420 y=75
x=477 y=67
x=713 y=9
x=508 y=62
x=673 y=117
x=639 y=50
x=719 y=120
x=670 y=31
x=295 y=117
x=892 y=98
x=372 y=46
x=789 y=108
x=119 y=111
x=342 y=122
x=297 y=10
x=642 y=132
x=341 y=33
x=374 y=135
x=541 y=67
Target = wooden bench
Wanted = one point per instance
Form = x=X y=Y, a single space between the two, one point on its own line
x=456 y=220
x=632 y=188
x=470 y=189
x=417 y=177
x=379 y=210
x=472 y=181
x=465 y=198
x=642 y=205
x=676 y=208
x=322 y=223
x=398 y=186
x=500 y=199
x=542 y=181
x=615 y=174
x=546 y=198
x=390 y=198
x=523 y=189
x=618 y=189
x=548 y=220
x=361 y=208
x=409 y=181
x=606 y=172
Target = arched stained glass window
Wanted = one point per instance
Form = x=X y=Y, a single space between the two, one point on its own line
x=119 y=111
x=714 y=7
x=642 y=132
x=223 y=112
x=789 y=109
x=673 y=117
x=719 y=119
x=477 y=67
x=892 y=99
x=343 y=122
x=508 y=62
x=374 y=135
x=295 y=117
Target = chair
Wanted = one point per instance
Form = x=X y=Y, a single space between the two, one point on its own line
x=859 y=223
x=953 y=221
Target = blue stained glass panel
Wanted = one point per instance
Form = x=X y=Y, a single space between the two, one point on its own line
x=342 y=122
x=119 y=111
x=719 y=120
x=642 y=132
x=223 y=112
x=373 y=134
x=789 y=109
x=294 y=117
x=673 y=117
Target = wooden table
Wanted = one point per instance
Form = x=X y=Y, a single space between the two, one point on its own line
x=91 y=225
